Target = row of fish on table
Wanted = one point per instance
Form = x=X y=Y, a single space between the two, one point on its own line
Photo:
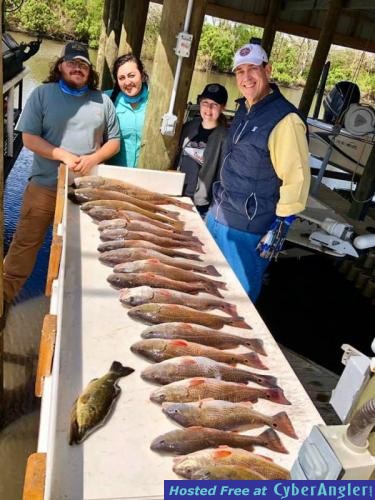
x=159 y=269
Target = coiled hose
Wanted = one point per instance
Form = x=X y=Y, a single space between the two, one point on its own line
x=361 y=424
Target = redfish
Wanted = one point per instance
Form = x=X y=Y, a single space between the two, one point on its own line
x=142 y=254
x=225 y=415
x=163 y=349
x=146 y=294
x=108 y=235
x=125 y=280
x=182 y=367
x=123 y=205
x=96 y=181
x=91 y=194
x=157 y=266
x=171 y=252
x=195 y=389
x=188 y=464
x=164 y=313
x=196 y=438
x=202 y=335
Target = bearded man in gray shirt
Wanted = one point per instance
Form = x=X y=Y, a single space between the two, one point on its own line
x=65 y=120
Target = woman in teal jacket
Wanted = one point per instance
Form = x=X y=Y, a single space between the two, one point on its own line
x=130 y=97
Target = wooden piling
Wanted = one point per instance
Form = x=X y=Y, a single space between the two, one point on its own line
x=158 y=151
x=123 y=26
x=269 y=31
x=320 y=56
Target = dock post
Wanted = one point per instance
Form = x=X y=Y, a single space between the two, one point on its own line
x=158 y=151
x=133 y=27
x=320 y=56
x=270 y=27
x=122 y=31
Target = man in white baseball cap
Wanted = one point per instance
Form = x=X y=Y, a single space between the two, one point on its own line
x=265 y=176
x=250 y=54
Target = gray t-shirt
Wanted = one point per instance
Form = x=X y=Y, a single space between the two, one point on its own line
x=79 y=124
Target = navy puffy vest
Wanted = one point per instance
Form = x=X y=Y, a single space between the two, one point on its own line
x=245 y=198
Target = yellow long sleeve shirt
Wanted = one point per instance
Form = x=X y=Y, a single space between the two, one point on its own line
x=290 y=157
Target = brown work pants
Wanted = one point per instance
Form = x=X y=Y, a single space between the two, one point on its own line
x=37 y=214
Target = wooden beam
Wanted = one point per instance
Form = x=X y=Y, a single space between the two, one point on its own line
x=245 y=17
x=105 y=79
x=158 y=151
x=46 y=352
x=133 y=26
x=302 y=5
x=35 y=477
x=313 y=33
x=270 y=26
x=365 y=190
x=320 y=55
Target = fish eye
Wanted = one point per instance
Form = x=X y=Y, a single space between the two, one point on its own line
x=175 y=410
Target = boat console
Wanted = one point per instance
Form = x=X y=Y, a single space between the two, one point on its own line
x=14 y=55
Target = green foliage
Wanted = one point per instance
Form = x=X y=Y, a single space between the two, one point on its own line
x=36 y=16
x=219 y=42
x=63 y=19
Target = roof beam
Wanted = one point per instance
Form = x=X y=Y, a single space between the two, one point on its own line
x=244 y=17
x=294 y=5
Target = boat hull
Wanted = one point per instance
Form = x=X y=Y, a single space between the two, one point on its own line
x=349 y=153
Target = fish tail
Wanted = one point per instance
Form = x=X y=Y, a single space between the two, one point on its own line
x=182 y=204
x=282 y=423
x=230 y=309
x=255 y=345
x=239 y=322
x=74 y=436
x=220 y=284
x=212 y=271
x=187 y=233
x=277 y=396
x=272 y=441
x=195 y=246
x=177 y=224
x=193 y=256
x=170 y=213
x=252 y=359
x=210 y=288
x=121 y=370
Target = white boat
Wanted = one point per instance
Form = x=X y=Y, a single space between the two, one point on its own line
x=349 y=152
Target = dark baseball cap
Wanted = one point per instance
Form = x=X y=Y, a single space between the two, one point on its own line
x=215 y=92
x=76 y=50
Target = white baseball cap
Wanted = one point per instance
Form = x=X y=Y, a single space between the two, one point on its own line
x=250 y=53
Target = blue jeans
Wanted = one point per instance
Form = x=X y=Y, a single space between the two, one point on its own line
x=239 y=248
